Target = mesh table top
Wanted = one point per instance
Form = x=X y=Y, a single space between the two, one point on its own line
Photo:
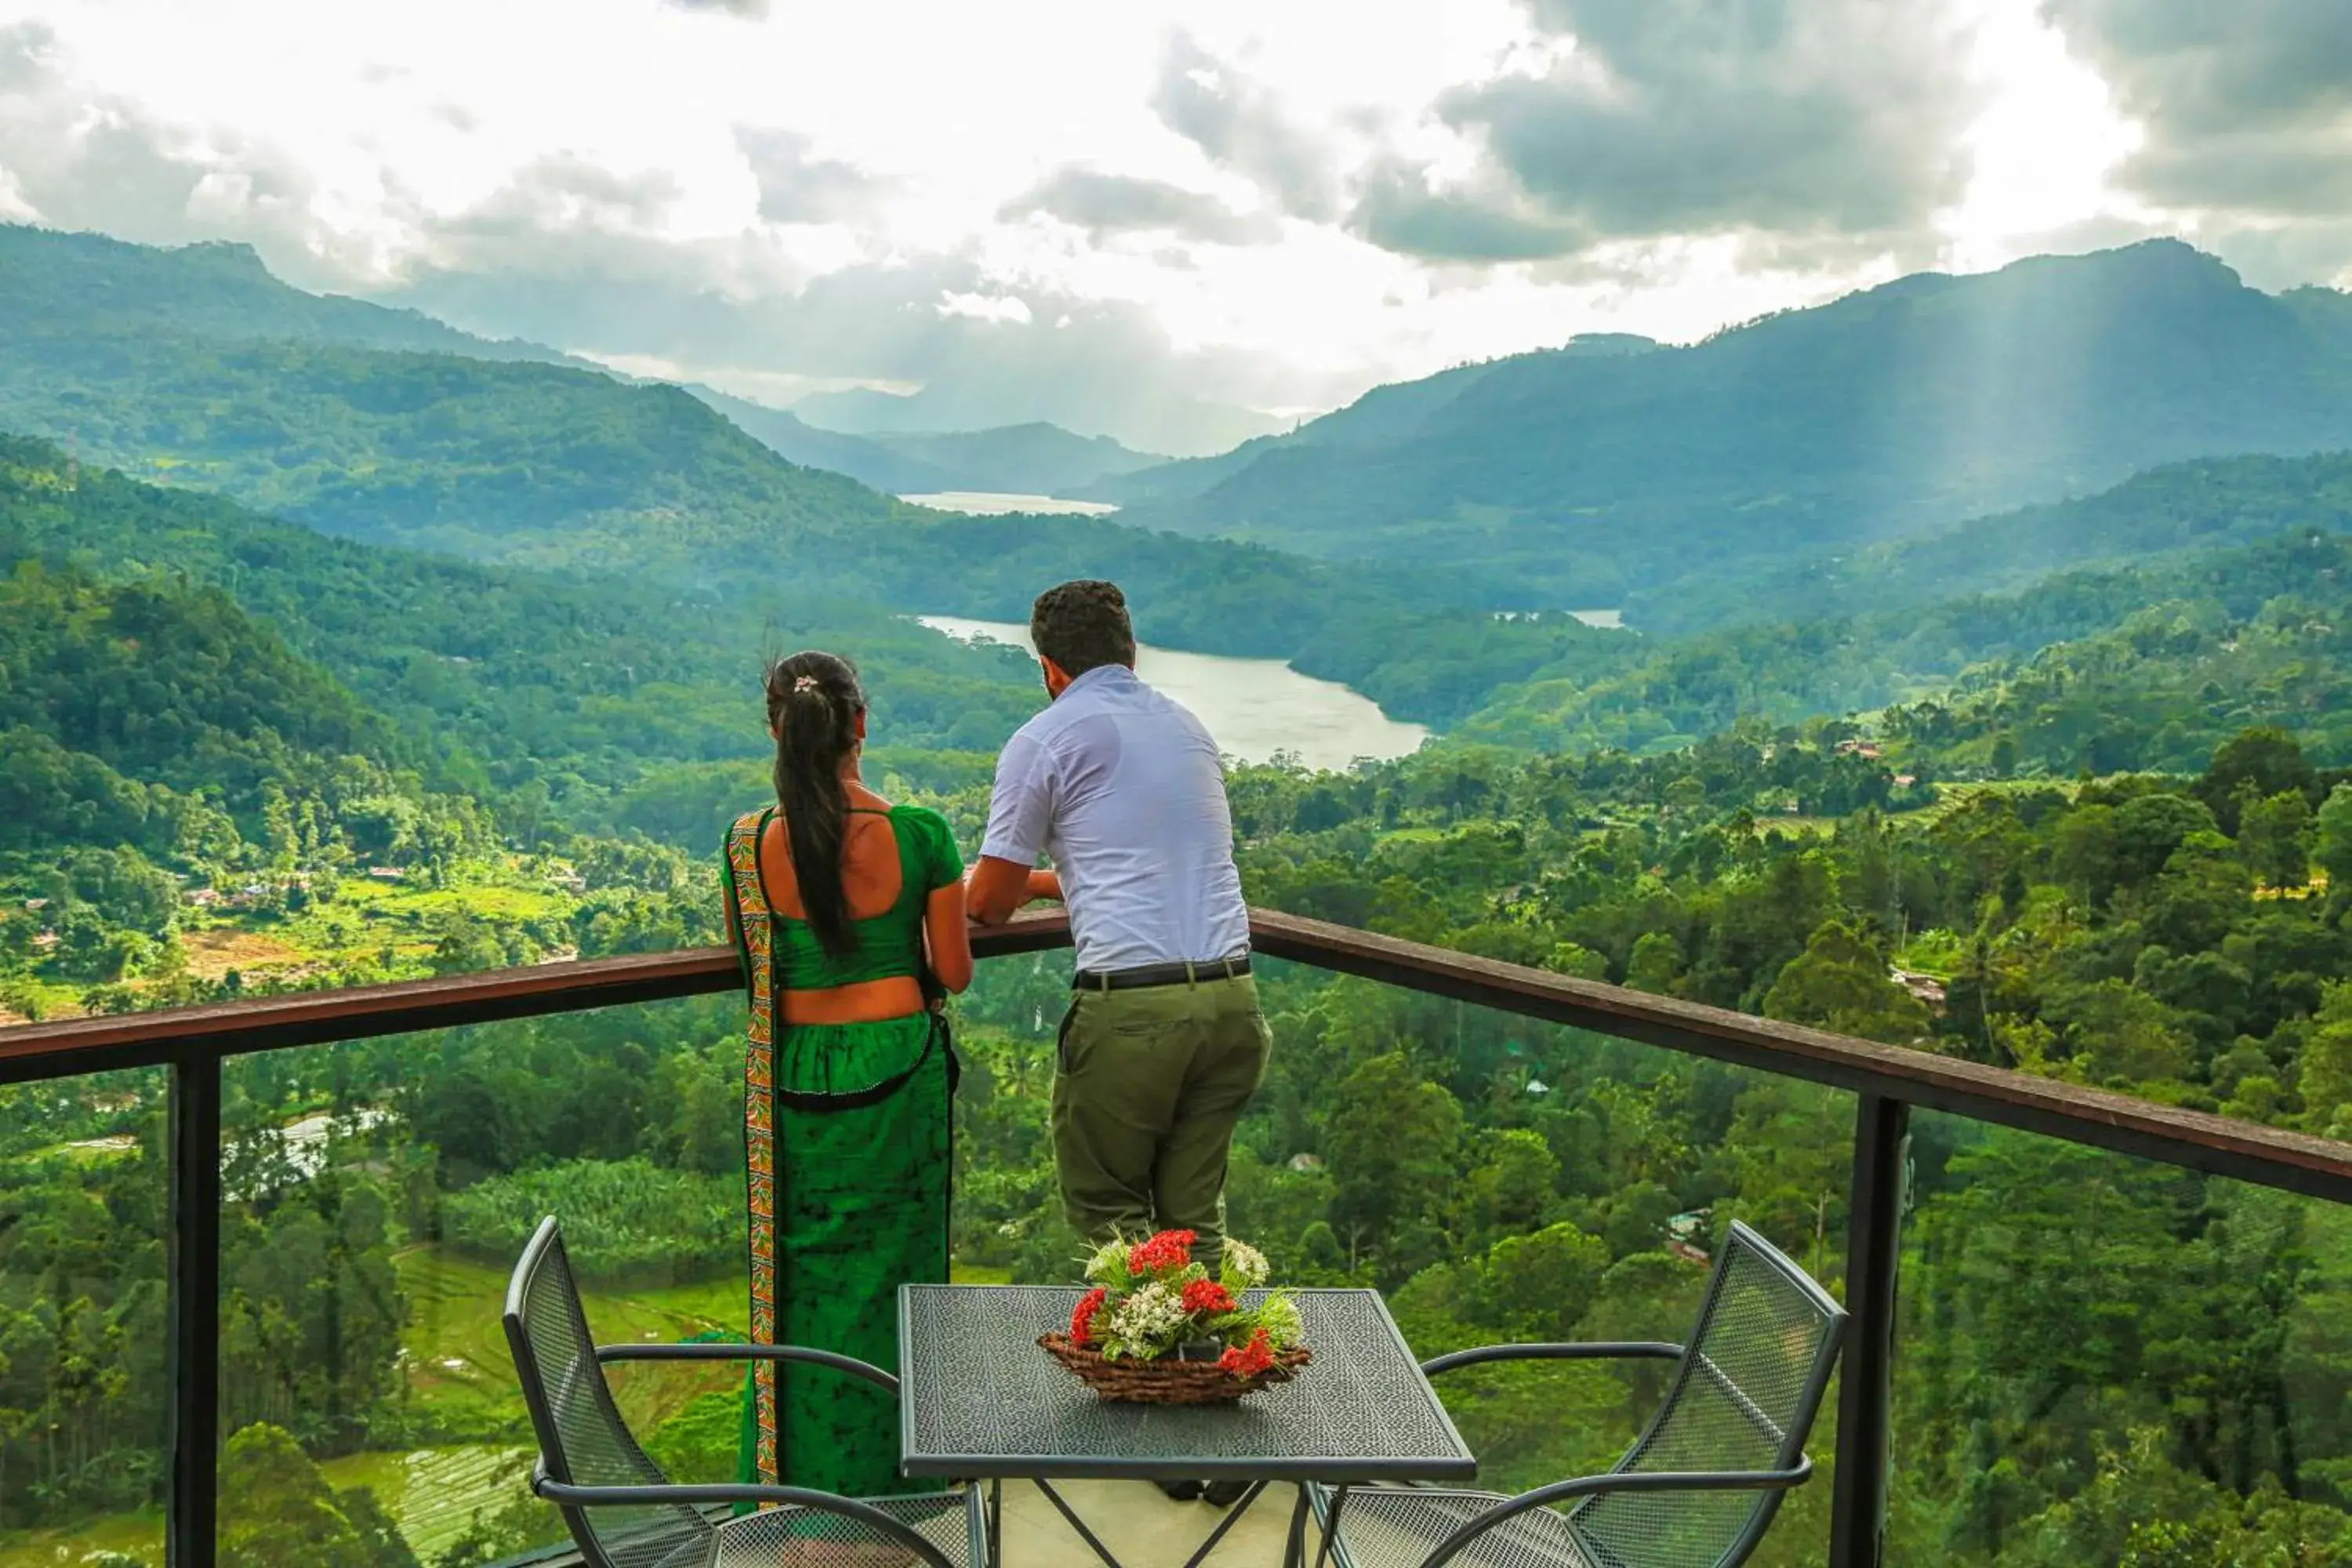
x=977 y=1397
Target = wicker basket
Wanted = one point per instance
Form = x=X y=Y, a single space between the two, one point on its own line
x=1168 y=1380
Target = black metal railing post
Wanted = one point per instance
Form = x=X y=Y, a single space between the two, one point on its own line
x=192 y=1441
x=1866 y=1383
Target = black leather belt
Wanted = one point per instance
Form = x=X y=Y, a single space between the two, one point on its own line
x=1160 y=974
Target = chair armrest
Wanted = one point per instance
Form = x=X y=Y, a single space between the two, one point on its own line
x=721 y=1352
x=1599 y=1351
x=867 y=1514
x=1618 y=1481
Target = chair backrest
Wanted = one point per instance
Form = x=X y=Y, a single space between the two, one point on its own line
x=582 y=1441
x=1743 y=1398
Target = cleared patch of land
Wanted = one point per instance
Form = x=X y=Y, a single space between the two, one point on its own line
x=212 y=953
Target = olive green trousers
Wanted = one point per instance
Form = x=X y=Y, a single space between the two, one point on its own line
x=1150 y=1084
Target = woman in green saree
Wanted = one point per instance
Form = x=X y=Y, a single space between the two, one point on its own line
x=848 y=915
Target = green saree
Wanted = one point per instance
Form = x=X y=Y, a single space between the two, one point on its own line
x=846 y=1146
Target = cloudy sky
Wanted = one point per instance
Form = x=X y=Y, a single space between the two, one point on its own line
x=1144 y=216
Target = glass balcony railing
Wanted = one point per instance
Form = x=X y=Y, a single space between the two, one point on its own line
x=252 y=1258
x=376 y=1195
x=85 y=1283
x=2104 y=1359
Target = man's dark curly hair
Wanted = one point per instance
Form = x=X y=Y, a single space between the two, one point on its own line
x=1082 y=625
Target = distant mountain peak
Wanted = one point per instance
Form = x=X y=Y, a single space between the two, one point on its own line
x=1608 y=345
x=2165 y=256
x=225 y=255
x=1585 y=477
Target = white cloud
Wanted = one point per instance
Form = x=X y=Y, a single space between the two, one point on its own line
x=1010 y=308
x=1269 y=203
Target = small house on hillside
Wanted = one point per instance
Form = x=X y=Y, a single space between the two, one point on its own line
x=1926 y=988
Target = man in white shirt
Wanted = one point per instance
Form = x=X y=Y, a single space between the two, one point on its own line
x=1164 y=1043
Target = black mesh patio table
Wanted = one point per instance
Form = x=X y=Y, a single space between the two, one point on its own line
x=979 y=1400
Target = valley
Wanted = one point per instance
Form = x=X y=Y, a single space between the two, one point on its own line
x=338 y=646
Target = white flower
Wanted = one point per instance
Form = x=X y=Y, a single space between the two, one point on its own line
x=1278 y=1316
x=1243 y=1266
x=1147 y=1320
x=1109 y=1264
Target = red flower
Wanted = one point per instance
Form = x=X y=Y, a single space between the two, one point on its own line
x=1082 y=1322
x=1249 y=1360
x=1170 y=1249
x=1207 y=1296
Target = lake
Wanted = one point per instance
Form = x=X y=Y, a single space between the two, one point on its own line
x=1254 y=706
x=996 y=503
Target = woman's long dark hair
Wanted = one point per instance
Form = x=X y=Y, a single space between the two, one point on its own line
x=813 y=702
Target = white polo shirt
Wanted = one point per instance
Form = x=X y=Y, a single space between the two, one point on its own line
x=1120 y=787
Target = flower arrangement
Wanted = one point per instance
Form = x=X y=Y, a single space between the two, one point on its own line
x=1151 y=1301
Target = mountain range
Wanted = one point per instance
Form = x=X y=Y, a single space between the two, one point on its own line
x=1035 y=459
x=91 y=290
x=1583 y=479
x=195 y=367
x=1188 y=426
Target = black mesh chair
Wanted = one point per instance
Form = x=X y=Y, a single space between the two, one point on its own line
x=624 y=1513
x=1696 y=1490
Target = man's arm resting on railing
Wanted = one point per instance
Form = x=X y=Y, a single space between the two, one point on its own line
x=997 y=888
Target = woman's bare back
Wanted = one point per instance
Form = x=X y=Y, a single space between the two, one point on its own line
x=870 y=873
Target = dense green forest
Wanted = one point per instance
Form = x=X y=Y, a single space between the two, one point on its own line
x=571 y=681
x=2175 y=936
x=2207 y=642
x=2173 y=510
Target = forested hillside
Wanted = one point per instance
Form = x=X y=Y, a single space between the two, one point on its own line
x=2201 y=645
x=153 y=727
x=2182 y=507
x=194 y=369
x=1580 y=479
x=219 y=291
x=573 y=682
x=536 y=464
x=1033 y=458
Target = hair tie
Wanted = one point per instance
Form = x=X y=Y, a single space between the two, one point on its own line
x=806 y=683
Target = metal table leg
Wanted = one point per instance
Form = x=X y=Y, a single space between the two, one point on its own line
x=1233 y=1516
x=1331 y=1524
x=995 y=1523
x=1241 y=1506
x=1294 y=1542
x=1076 y=1523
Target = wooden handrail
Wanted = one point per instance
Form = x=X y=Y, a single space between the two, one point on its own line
x=2198 y=1140
x=2272 y=1157
x=364 y=1012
